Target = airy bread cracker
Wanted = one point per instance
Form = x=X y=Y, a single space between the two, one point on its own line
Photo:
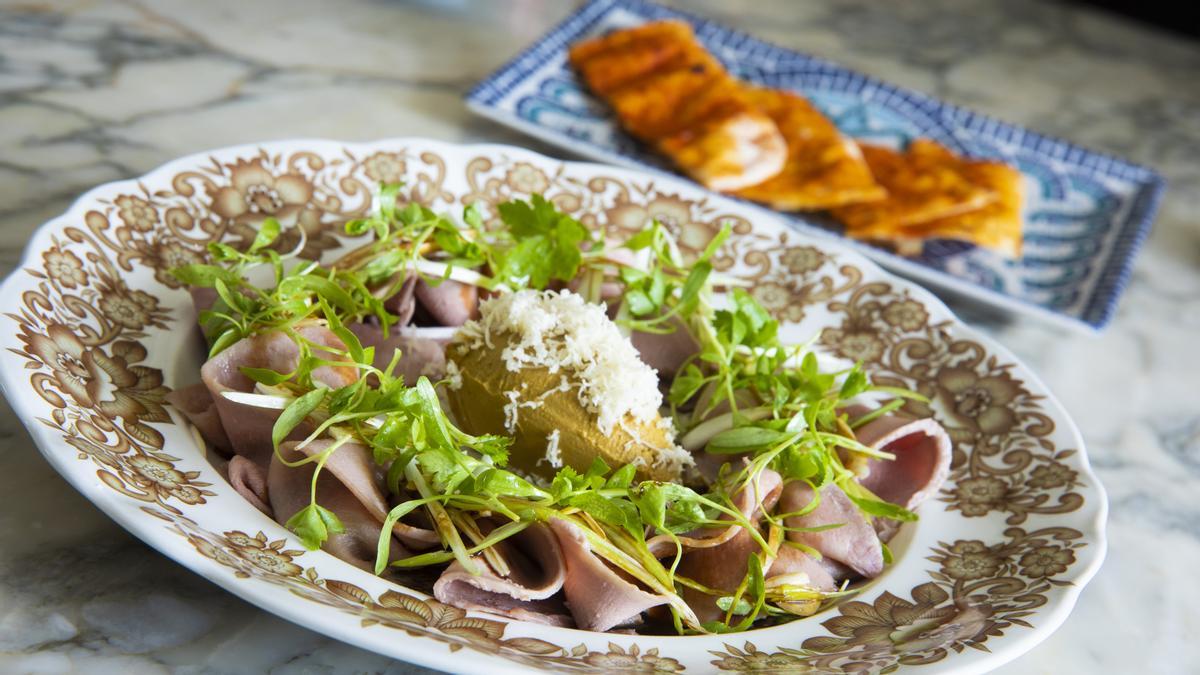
x=669 y=92
x=617 y=59
x=649 y=107
x=996 y=226
x=925 y=183
x=824 y=169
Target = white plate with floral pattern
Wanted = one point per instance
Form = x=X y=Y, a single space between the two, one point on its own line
x=96 y=332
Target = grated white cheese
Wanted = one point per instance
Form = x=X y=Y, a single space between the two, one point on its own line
x=670 y=457
x=559 y=331
x=673 y=460
x=511 y=409
x=514 y=405
x=453 y=376
x=553 y=452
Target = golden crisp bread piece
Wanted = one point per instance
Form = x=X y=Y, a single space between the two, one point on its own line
x=722 y=139
x=649 y=107
x=997 y=225
x=669 y=92
x=824 y=169
x=730 y=153
x=925 y=183
x=668 y=30
x=612 y=61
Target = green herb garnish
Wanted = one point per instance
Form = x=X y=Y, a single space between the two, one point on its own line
x=770 y=402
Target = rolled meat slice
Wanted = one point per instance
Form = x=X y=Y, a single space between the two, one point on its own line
x=791 y=560
x=922 y=450
x=536 y=573
x=599 y=599
x=418 y=355
x=854 y=543
x=449 y=303
x=288 y=488
x=353 y=466
x=666 y=352
x=202 y=298
x=249 y=427
x=197 y=405
x=724 y=566
x=250 y=481
x=403 y=303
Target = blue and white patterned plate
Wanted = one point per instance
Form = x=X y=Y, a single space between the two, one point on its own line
x=1086 y=213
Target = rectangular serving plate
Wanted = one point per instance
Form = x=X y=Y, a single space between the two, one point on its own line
x=1086 y=213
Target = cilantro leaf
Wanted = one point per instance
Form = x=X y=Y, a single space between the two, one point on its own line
x=548 y=243
x=313 y=525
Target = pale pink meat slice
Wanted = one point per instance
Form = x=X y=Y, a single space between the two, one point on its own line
x=666 y=352
x=250 y=481
x=249 y=427
x=197 y=405
x=854 y=543
x=599 y=599
x=449 y=303
x=288 y=488
x=352 y=465
x=791 y=560
x=922 y=450
x=724 y=566
x=418 y=356
x=530 y=590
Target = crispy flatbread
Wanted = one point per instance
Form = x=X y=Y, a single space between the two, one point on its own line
x=824 y=169
x=612 y=61
x=649 y=107
x=925 y=183
x=669 y=92
x=996 y=226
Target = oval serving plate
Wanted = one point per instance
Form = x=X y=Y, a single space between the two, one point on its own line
x=100 y=331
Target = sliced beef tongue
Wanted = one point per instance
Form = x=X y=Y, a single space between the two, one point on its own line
x=418 y=355
x=197 y=405
x=666 y=352
x=250 y=481
x=791 y=560
x=922 y=450
x=249 y=427
x=724 y=566
x=528 y=591
x=854 y=544
x=403 y=304
x=599 y=599
x=288 y=489
x=449 y=302
x=351 y=464
x=202 y=298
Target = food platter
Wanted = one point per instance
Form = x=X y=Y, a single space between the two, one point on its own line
x=99 y=333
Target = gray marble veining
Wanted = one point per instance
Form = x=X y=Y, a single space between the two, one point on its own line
x=92 y=92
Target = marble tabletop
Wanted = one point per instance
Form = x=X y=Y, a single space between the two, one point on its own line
x=92 y=92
